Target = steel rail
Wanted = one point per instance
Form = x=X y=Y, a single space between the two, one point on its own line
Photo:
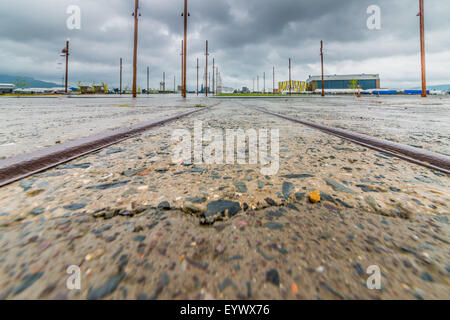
x=418 y=156
x=22 y=166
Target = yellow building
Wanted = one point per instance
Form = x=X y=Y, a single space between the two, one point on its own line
x=296 y=86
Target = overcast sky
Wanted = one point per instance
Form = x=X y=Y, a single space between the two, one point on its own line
x=246 y=38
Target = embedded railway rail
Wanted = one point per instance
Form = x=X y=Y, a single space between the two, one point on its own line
x=19 y=167
x=414 y=155
x=22 y=166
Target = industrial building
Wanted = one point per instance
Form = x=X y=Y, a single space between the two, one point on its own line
x=6 y=88
x=365 y=81
x=296 y=86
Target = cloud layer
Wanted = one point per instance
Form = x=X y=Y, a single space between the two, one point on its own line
x=246 y=38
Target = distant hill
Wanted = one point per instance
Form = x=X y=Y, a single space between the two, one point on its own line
x=443 y=87
x=30 y=82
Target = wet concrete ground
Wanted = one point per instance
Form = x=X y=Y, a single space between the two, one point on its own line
x=404 y=119
x=31 y=123
x=141 y=226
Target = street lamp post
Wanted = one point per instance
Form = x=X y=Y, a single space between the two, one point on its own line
x=135 y=14
x=422 y=48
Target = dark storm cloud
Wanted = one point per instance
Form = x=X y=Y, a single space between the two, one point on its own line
x=246 y=38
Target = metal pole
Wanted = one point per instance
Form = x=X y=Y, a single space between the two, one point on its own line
x=213 y=69
x=182 y=66
x=422 y=48
x=186 y=14
x=273 y=85
x=206 y=70
x=67 y=65
x=253 y=84
x=148 y=80
x=197 y=76
x=264 y=81
x=136 y=9
x=321 y=58
x=290 y=79
x=217 y=77
x=257 y=83
x=120 y=76
x=174 y=84
x=164 y=82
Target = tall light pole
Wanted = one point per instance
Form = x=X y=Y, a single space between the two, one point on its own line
x=290 y=79
x=213 y=91
x=321 y=58
x=206 y=70
x=264 y=81
x=185 y=15
x=164 y=82
x=66 y=52
x=148 y=80
x=135 y=14
x=273 y=84
x=197 y=76
x=422 y=48
x=182 y=66
x=257 y=84
x=120 y=76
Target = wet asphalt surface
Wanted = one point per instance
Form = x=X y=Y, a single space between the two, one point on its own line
x=141 y=225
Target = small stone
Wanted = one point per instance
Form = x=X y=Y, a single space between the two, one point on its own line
x=28 y=281
x=139 y=238
x=108 y=186
x=217 y=210
x=37 y=211
x=94 y=255
x=74 y=206
x=427 y=277
x=190 y=208
x=75 y=166
x=100 y=230
x=338 y=187
x=226 y=283
x=299 y=196
x=242 y=188
x=196 y=200
x=106 y=289
x=359 y=269
x=114 y=150
x=165 y=205
x=314 y=196
x=273 y=226
x=34 y=193
x=27 y=184
x=297 y=176
x=371 y=202
x=271 y=202
x=273 y=277
x=287 y=189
